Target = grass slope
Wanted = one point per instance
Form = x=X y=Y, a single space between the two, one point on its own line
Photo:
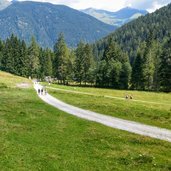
x=36 y=136
x=149 y=108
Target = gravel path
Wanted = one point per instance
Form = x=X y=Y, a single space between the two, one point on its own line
x=113 y=122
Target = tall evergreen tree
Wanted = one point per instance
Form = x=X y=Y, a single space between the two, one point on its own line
x=61 y=59
x=33 y=56
x=71 y=65
x=112 y=51
x=102 y=74
x=42 y=60
x=87 y=61
x=22 y=65
x=79 y=64
x=158 y=51
x=137 y=68
x=1 y=53
x=114 y=68
x=148 y=67
x=8 y=60
x=165 y=68
x=48 y=62
x=125 y=76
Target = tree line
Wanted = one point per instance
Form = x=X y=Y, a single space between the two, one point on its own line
x=150 y=70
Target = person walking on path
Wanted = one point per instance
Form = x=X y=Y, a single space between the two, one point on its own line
x=41 y=91
x=131 y=97
x=127 y=97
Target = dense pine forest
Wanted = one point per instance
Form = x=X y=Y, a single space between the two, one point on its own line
x=146 y=41
x=130 y=36
x=151 y=69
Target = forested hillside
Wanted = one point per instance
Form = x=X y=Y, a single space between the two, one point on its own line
x=151 y=69
x=66 y=65
x=137 y=56
x=146 y=41
x=131 y=35
x=45 y=21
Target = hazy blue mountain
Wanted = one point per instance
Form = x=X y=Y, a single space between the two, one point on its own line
x=45 y=21
x=117 y=18
x=4 y=4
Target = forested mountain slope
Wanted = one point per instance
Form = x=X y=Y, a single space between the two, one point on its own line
x=131 y=35
x=45 y=21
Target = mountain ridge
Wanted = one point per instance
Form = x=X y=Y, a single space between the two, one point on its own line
x=117 y=18
x=132 y=34
x=4 y=4
x=46 y=21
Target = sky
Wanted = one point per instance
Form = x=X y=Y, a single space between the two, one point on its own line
x=111 y=5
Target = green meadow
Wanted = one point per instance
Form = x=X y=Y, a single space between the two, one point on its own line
x=145 y=107
x=36 y=136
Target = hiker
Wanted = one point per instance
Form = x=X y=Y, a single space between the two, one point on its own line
x=127 y=97
x=131 y=97
x=39 y=91
x=42 y=91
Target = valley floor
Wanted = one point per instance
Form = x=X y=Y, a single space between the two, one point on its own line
x=145 y=107
x=36 y=136
x=113 y=122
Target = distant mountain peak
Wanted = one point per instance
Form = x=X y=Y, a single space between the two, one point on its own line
x=117 y=18
x=45 y=21
x=4 y=4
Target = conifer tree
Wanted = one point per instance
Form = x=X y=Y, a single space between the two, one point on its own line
x=79 y=64
x=23 y=61
x=48 y=62
x=87 y=61
x=125 y=76
x=33 y=56
x=1 y=53
x=8 y=61
x=112 y=51
x=61 y=59
x=102 y=74
x=137 y=69
x=165 y=68
x=71 y=65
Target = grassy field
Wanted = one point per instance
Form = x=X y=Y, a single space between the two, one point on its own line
x=36 y=136
x=146 y=107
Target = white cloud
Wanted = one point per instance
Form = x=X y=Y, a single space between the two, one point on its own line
x=150 y=5
x=111 y=5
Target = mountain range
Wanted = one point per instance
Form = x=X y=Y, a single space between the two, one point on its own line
x=156 y=25
x=117 y=18
x=46 y=21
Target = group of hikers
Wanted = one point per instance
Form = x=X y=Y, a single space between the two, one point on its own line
x=128 y=97
x=42 y=91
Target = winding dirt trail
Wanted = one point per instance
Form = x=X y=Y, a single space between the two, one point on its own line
x=130 y=126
